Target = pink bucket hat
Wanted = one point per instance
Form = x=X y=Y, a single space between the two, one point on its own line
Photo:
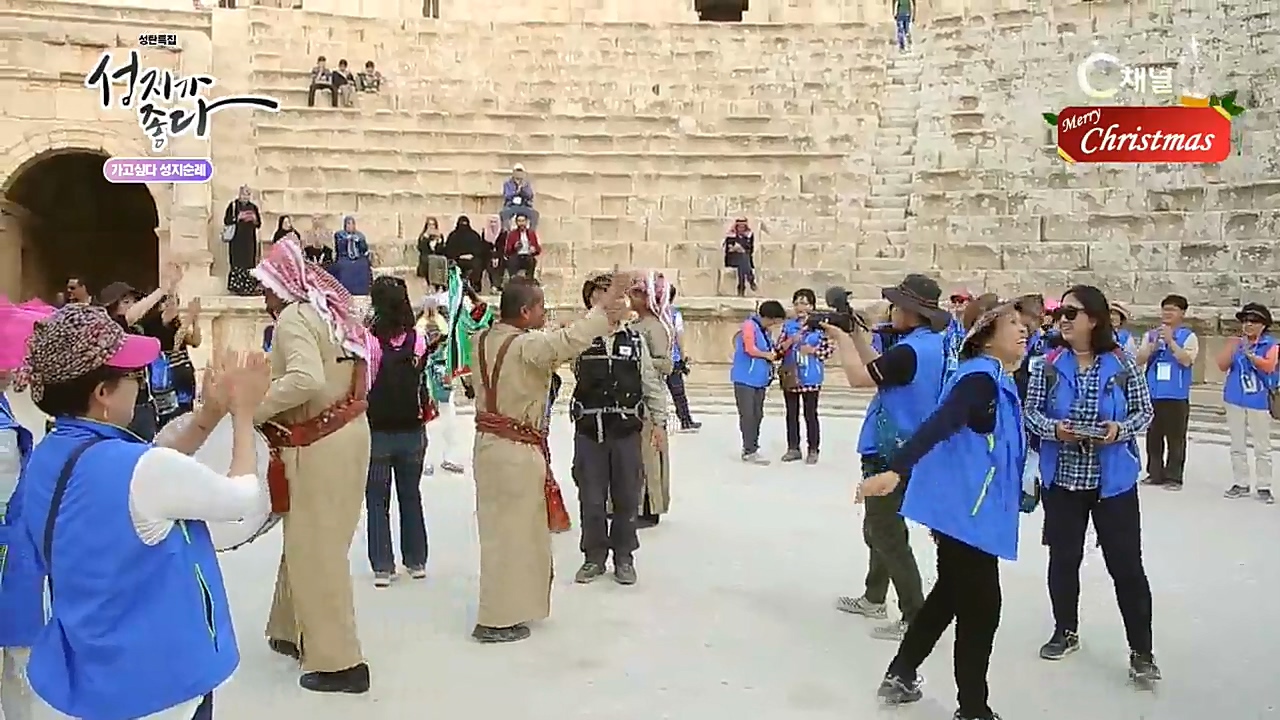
x=75 y=340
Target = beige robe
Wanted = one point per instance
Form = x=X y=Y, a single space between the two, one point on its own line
x=313 y=605
x=657 y=464
x=511 y=508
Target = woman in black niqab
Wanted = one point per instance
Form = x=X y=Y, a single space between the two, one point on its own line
x=468 y=250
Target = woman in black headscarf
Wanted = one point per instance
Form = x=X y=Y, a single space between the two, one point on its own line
x=285 y=228
x=468 y=250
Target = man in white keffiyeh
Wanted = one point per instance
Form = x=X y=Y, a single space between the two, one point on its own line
x=649 y=300
x=314 y=419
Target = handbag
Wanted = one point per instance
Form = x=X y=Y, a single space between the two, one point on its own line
x=788 y=376
x=1273 y=403
x=228 y=233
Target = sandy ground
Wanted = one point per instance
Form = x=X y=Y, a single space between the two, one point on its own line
x=733 y=615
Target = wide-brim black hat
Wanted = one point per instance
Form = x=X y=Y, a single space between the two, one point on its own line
x=921 y=295
x=1255 y=310
x=115 y=292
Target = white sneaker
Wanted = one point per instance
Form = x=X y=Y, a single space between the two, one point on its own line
x=861 y=606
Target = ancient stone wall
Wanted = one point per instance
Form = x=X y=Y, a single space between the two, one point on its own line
x=995 y=207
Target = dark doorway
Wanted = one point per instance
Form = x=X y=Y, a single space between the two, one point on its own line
x=720 y=10
x=75 y=223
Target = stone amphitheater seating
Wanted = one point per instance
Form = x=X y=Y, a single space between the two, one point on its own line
x=643 y=142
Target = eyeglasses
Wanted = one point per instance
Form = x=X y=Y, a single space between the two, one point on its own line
x=1253 y=319
x=1070 y=312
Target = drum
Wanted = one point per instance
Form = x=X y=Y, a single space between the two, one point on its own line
x=216 y=454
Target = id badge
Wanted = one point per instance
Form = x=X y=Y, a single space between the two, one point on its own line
x=1164 y=372
x=1249 y=383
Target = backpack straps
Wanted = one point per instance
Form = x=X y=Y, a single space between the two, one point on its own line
x=55 y=504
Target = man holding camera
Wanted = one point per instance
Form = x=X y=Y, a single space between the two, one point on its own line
x=908 y=381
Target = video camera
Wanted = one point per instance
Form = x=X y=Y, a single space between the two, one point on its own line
x=842 y=315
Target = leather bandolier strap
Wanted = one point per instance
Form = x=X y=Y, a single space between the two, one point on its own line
x=488 y=421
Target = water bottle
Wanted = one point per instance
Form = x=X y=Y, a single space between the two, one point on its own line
x=10 y=467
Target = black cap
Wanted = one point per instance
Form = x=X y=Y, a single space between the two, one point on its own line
x=1255 y=311
x=115 y=292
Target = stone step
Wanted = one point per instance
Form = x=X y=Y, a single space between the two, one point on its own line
x=507 y=122
x=894 y=161
x=367 y=134
x=896 y=202
x=896 y=213
x=282 y=157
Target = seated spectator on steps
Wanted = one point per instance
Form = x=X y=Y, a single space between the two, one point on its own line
x=523 y=249
x=496 y=237
x=370 y=80
x=740 y=254
x=317 y=251
x=517 y=198
x=344 y=84
x=321 y=79
x=466 y=249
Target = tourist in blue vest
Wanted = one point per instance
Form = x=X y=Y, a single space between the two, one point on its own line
x=139 y=620
x=954 y=334
x=1252 y=364
x=965 y=463
x=21 y=582
x=805 y=353
x=752 y=373
x=1088 y=402
x=1168 y=353
x=1124 y=337
x=908 y=382
x=680 y=368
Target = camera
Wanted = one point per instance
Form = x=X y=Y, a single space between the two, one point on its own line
x=842 y=315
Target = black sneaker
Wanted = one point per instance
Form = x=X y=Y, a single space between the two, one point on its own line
x=896 y=691
x=1173 y=485
x=1062 y=644
x=792 y=455
x=624 y=573
x=588 y=572
x=496 y=635
x=1143 y=668
x=1237 y=491
x=1148 y=480
x=1266 y=497
x=988 y=716
x=691 y=426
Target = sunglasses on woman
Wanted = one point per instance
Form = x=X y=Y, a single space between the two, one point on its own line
x=1070 y=312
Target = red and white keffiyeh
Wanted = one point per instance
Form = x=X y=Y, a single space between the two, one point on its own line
x=657 y=293
x=288 y=273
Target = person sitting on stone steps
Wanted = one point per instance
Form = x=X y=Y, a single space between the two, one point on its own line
x=618 y=387
x=321 y=79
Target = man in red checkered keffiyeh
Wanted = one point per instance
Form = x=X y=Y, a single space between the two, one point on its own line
x=287 y=273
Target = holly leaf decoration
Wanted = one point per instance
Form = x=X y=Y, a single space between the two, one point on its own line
x=1051 y=118
x=1229 y=99
x=1215 y=101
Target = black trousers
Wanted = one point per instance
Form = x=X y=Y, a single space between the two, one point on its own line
x=968 y=592
x=311 y=94
x=205 y=710
x=1168 y=428
x=527 y=264
x=497 y=273
x=675 y=384
x=1118 y=522
x=794 y=401
x=604 y=471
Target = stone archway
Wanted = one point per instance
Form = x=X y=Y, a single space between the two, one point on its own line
x=59 y=217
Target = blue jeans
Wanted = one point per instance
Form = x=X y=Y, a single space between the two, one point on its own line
x=396 y=456
x=512 y=211
x=205 y=711
x=904 y=30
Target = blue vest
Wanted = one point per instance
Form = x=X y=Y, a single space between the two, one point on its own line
x=1124 y=339
x=677 y=320
x=896 y=412
x=1119 y=461
x=809 y=368
x=969 y=486
x=747 y=370
x=1178 y=384
x=1245 y=385
x=134 y=629
x=953 y=338
x=21 y=582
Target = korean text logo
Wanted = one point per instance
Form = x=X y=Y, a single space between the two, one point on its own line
x=1092 y=76
x=167 y=105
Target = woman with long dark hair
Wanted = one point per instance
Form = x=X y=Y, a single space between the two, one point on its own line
x=965 y=463
x=805 y=351
x=398 y=441
x=1088 y=402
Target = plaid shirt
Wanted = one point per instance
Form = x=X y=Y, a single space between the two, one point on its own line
x=1078 y=465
